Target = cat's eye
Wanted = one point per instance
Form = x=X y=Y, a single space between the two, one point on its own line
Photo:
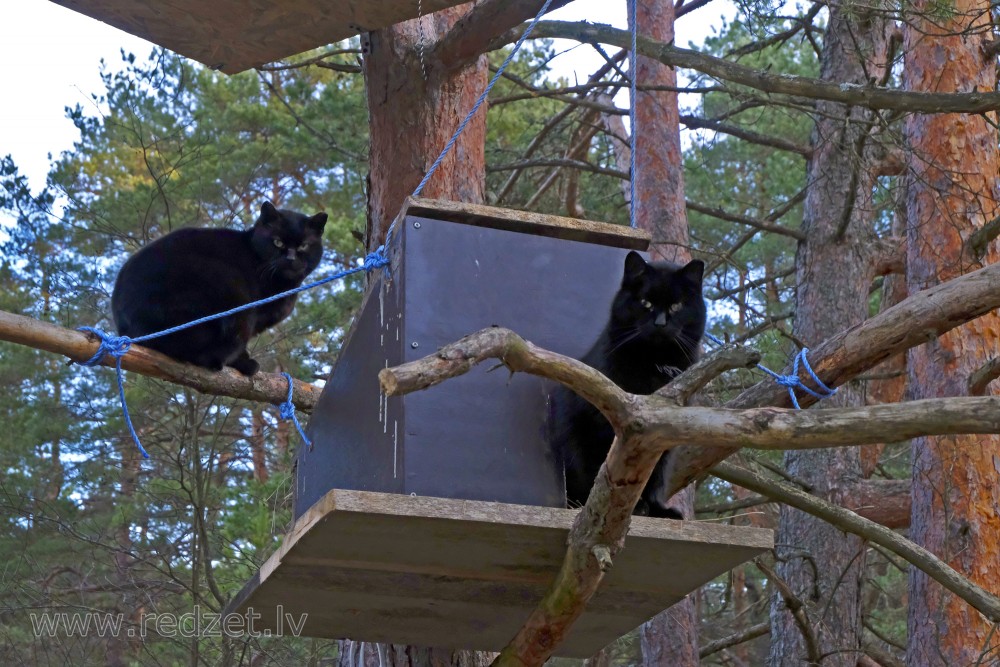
x=278 y=242
x=674 y=307
x=646 y=304
x=303 y=247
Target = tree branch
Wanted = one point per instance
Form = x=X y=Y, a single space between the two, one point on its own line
x=483 y=24
x=982 y=600
x=644 y=427
x=762 y=225
x=734 y=639
x=78 y=346
x=868 y=96
x=917 y=319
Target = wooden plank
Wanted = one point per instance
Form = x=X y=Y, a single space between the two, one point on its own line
x=236 y=35
x=465 y=574
x=527 y=222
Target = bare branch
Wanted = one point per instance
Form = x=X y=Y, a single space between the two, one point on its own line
x=744 y=635
x=696 y=123
x=484 y=22
x=981 y=379
x=987 y=603
x=843 y=356
x=762 y=225
x=79 y=346
x=869 y=96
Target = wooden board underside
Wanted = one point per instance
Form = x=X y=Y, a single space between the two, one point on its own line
x=466 y=574
x=555 y=226
x=236 y=35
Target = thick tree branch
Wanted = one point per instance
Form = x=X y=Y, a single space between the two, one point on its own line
x=982 y=600
x=79 y=346
x=868 y=96
x=647 y=425
x=915 y=320
x=485 y=22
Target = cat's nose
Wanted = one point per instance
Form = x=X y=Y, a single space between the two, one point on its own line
x=291 y=255
x=661 y=320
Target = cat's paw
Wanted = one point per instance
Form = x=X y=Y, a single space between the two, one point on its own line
x=246 y=366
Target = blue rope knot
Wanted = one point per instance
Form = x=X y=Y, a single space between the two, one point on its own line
x=375 y=259
x=111 y=344
x=286 y=410
x=792 y=381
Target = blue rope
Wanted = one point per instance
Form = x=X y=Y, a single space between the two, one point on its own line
x=287 y=410
x=633 y=71
x=792 y=382
x=117 y=346
x=482 y=98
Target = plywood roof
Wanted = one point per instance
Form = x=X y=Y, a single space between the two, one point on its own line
x=235 y=35
x=466 y=574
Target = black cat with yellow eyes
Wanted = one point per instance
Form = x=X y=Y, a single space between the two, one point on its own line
x=654 y=332
x=192 y=273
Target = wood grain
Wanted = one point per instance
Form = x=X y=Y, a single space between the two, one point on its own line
x=465 y=574
x=570 y=229
x=235 y=35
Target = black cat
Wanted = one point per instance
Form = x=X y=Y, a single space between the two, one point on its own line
x=192 y=273
x=656 y=325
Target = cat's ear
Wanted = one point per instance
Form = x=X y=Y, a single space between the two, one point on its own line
x=268 y=214
x=693 y=273
x=635 y=268
x=316 y=222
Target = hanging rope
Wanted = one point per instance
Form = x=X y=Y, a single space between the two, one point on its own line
x=792 y=382
x=479 y=102
x=633 y=88
x=118 y=346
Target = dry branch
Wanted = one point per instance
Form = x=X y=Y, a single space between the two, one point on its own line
x=915 y=320
x=79 y=346
x=647 y=425
x=869 y=96
x=745 y=635
x=985 y=602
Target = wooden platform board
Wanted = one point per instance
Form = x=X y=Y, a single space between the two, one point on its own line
x=236 y=35
x=529 y=222
x=466 y=574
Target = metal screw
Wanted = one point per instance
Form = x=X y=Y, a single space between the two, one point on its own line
x=414 y=345
x=416 y=225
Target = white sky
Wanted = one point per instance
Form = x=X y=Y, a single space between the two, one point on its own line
x=49 y=60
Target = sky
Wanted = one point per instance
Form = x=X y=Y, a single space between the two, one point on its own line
x=50 y=57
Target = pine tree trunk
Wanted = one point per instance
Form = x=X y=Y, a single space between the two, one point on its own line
x=671 y=637
x=414 y=106
x=952 y=190
x=823 y=566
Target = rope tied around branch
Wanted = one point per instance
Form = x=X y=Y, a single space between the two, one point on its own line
x=792 y=381
x=286 y=411
x=117 y=346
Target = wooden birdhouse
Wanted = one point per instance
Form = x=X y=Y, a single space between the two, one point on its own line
x=437 y=518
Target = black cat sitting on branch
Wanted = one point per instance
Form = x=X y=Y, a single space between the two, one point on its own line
x=192 y=273
x=654 y=332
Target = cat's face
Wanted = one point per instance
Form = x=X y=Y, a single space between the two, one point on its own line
x=659 y=303
x=288 y=244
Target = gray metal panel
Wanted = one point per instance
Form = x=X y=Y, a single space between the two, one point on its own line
x=482 y=436
x=356 y=432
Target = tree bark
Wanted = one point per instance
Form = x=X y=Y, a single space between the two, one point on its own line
x=421 y=81
x=415 y=102
x=952 y=190
x=671 y=637
x=823 y=567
